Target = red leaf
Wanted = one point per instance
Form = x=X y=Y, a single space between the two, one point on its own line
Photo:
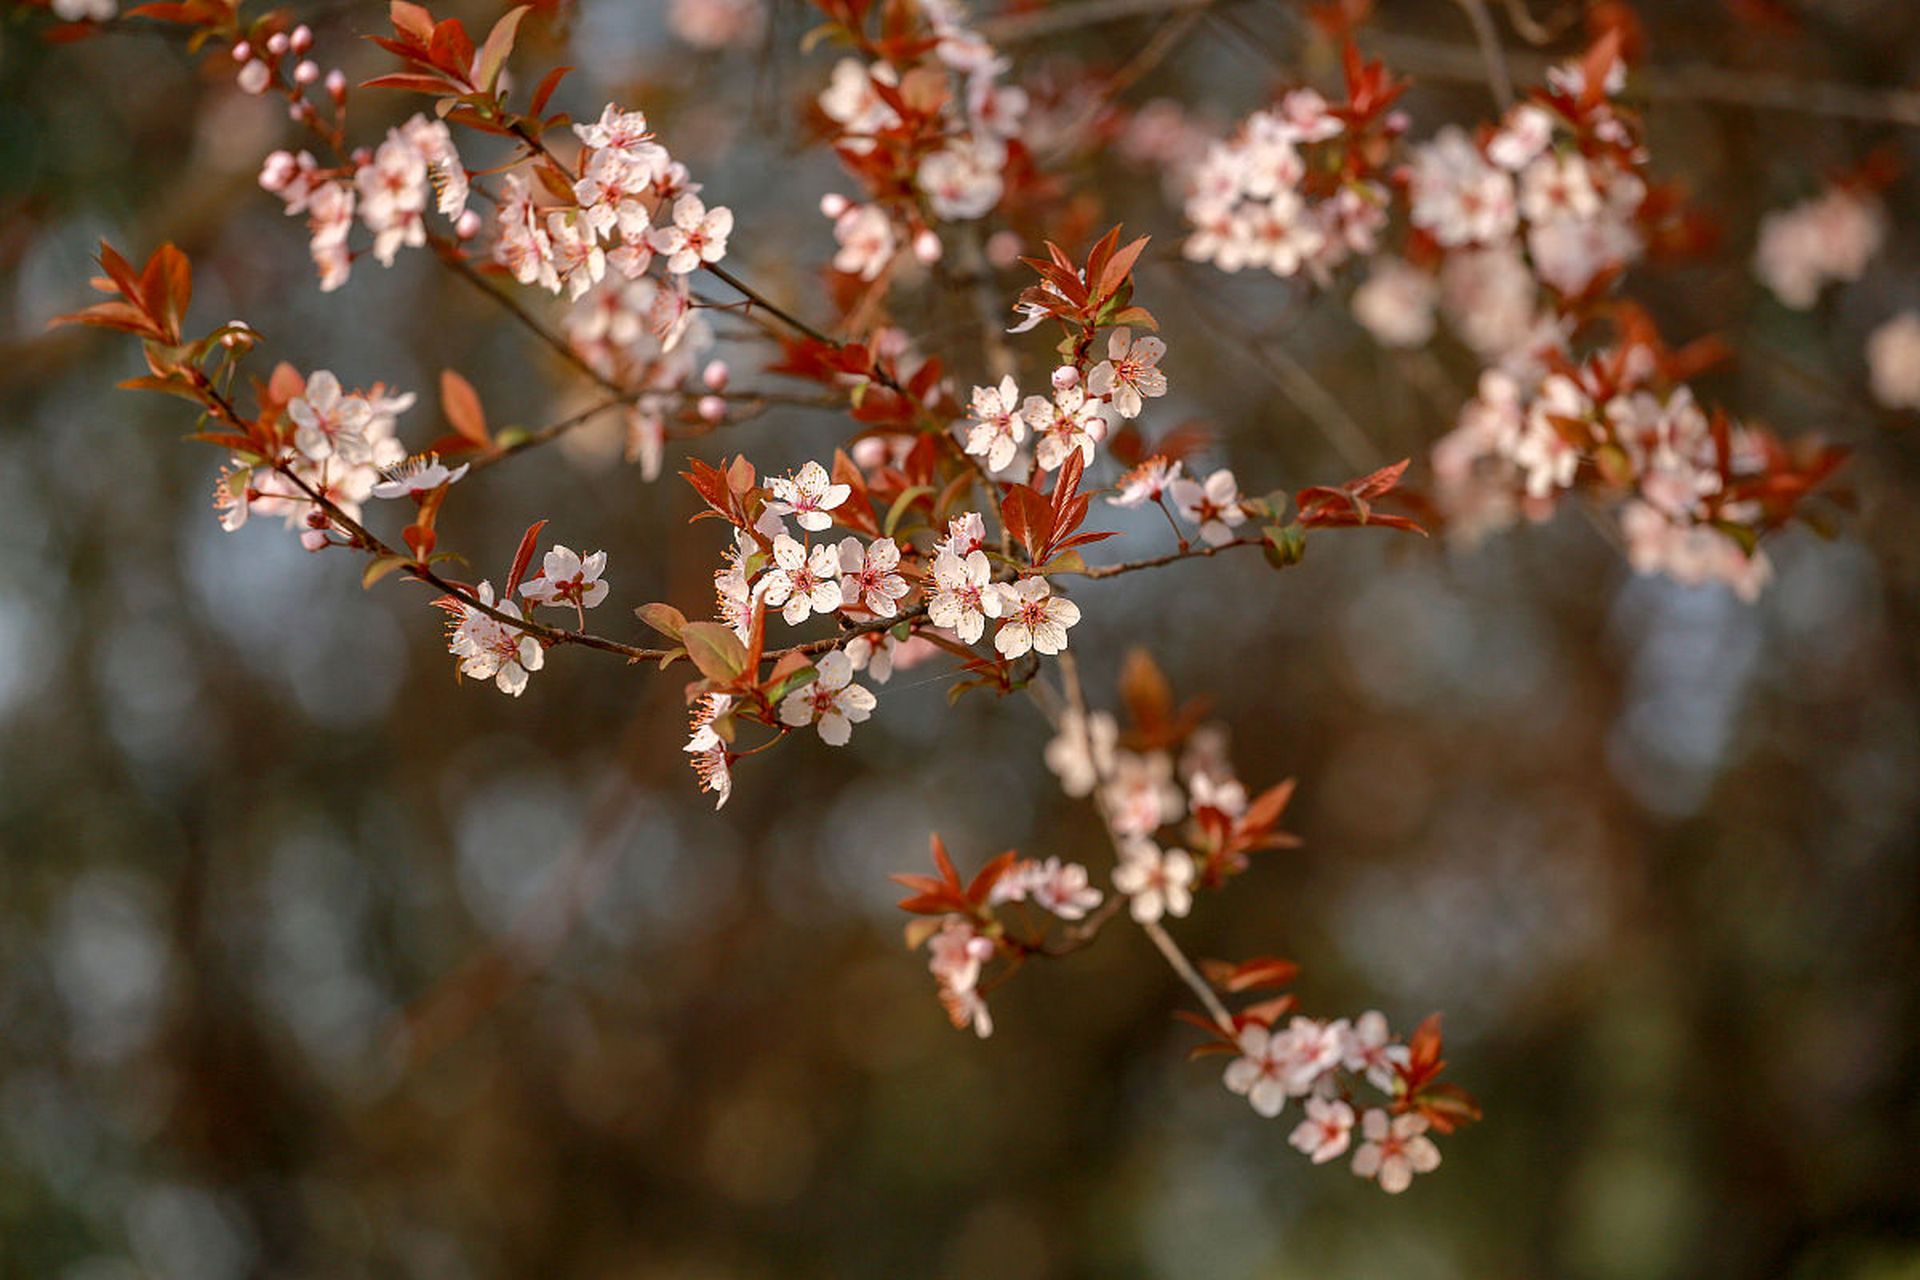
x=462 y=407
x=544 y=91
x=529 y=541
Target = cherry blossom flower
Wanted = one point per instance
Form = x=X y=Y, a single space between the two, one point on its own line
x=1260 y=1072
x=807 y=496
x=802 y=582
x=1557 y=187
x=1458 y=198
x=567 y=578
x=999 y=425
x=1893 y=360
x=1213 y=506
x=873 y=653
x=432 y=141
x=329 y=422
x=963 y=595
x=695 y=236
x=1129 y=372
x=955 y=955
x=489 y=649
x=832 y=704
x=1140 y=795
x=1367 y=1049
x=416 y=476
x=1817 y=242
x=1081 y=753
x=1395 y=1149
x=1144 y=483
x=962 y=180
x=393 y=194
x=1036 y=619
x=1069 y=421
x=1055 y=886
x=712 y=762
x=574 y=251
x=966 y=534
x=1396 y=303
x=1157 y=884
x=867 y=578
x=232 y=497
x=851 y=101
x=1326 y=1132
x=1524 y=134
x=867 y=242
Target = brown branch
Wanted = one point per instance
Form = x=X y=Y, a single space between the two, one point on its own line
x=1193 y=551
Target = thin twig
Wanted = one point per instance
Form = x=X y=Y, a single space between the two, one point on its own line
x=1499 y=76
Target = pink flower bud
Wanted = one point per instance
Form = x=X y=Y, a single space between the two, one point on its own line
x=926 y=246
x=1065 y=376
x=302 y=38
x=362 y=155
x=254 y=78
x=467 y=226
x=337 y=85
x=278 y=171
x=833 y=204
x=277 y=43
x=306 y=73
x=314 y=539
x=243 y=52
x=713 y=408
x=715 y=375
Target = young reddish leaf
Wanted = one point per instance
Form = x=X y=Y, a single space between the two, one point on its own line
x=982 y=883
x=1120 y=267
x=462 y=407
x=529 y=541
x=942 y=861
x=1028 y=517
x=411 y=20
x=548 y=84
x=411 y=82
x=1262 y=815
x=452 y=50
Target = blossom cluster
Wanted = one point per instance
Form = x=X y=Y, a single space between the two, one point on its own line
x=1825 y=240
x=1695 y=490
x=925 y=126
x=1294 y=190
x=387 y=191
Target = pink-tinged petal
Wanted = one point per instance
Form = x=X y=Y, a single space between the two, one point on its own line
x=835 y=729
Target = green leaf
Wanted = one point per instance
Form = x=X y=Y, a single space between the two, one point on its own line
x=900 y=505
x=664 y=618
x=1284 y=545
x=379 y=567
x=798 y=680
x=715 y=650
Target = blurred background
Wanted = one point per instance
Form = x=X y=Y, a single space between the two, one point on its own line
x=313 y=963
